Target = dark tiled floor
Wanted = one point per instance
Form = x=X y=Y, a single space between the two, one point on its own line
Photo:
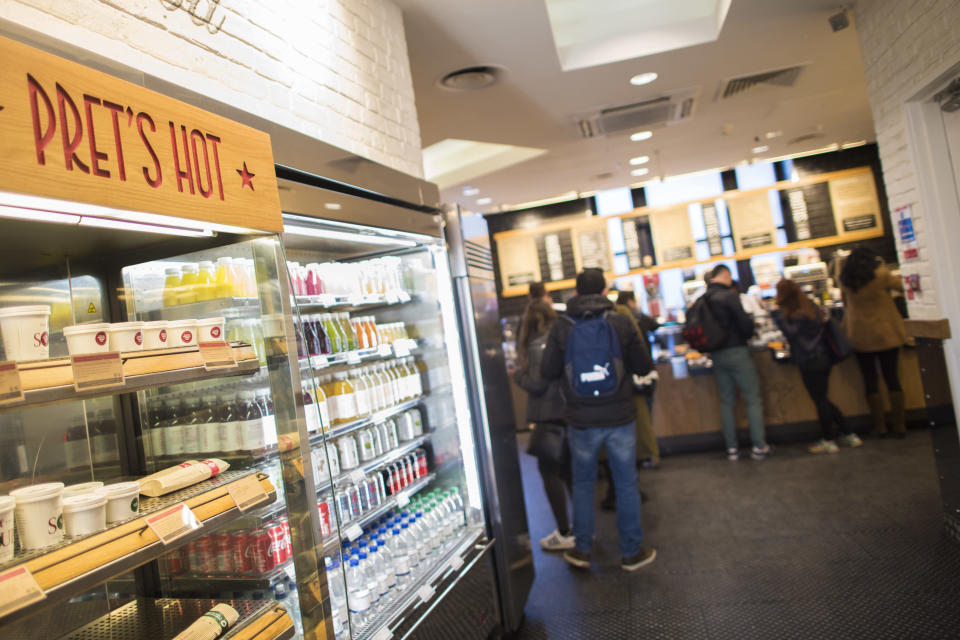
x=799 y=546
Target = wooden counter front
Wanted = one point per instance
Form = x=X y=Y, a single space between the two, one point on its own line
x=691 y=405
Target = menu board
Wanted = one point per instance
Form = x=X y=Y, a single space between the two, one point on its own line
x=751 y=220
x=638 y=242
x=807 y=212
x=594 y=249
x=517 y=256
x=711 y=223
x=855 y=204
x=555 y=255
x=671 y=229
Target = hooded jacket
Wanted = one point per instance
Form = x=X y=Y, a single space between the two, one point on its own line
x=618 y=408
x=544 y=399
x=805 y=336
x=725 y=303
x=870 y=316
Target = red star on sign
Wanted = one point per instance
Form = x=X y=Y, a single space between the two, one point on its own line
x=246 y=176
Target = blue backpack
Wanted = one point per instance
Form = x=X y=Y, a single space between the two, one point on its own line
x=593 y=360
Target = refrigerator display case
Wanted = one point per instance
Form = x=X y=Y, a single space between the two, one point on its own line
x=399 y=498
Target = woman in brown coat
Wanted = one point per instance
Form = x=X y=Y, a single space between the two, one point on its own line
x=876 y=332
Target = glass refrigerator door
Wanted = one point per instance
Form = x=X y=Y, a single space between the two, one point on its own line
x=398 y=491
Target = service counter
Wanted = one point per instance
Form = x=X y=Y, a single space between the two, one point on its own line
x=686 y=410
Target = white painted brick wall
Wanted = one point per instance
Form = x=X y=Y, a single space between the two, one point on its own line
x=336 y=70
x=899 y=41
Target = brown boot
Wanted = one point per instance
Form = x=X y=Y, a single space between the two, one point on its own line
x=898 y=419
x=875 y=400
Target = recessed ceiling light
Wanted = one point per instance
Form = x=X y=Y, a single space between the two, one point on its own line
x=484 y=201
x=773 y=134
x=470 y=191
x=333 y=206
x=640 y=172
x=643 y=78
x=471 y=78
x=640 y=160
x=761 y=149
x=640 y=136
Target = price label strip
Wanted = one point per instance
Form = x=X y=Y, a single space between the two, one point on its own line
x=403 y=499
x=426 y=592
x=456 y=562
x=319 y=362
x=247 y=493
x=384 y=349
x=18 y=588
x=174 y=523
x=11 y=389
x=400 y=348
x=354 y=531
x=357 y=475
x=97 y=370
x=392 y=297
x=353 y=357
x=383 y=633
x=217 y=355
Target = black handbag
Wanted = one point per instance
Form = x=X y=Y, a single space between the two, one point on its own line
x=836 y=339
x=549 y=442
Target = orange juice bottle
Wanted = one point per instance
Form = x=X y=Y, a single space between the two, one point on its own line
x=188 y=284
x=370 y=327
x=171 y=286
x=205 y=286
x=361 y=394
x=222 y=285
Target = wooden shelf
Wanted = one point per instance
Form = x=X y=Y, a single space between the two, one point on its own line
x=51 y=381
x=77 y=564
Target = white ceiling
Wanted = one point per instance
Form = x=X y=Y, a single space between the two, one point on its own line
x=535 y=104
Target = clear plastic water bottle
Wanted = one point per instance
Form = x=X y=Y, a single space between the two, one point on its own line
x=401 y=558
x=387 y=559
x=456 y=502
x=421 y=535
x=433 y=525
x=377 y=561
x=413 y=551
x=358 y=595
x=371 y=576
x=338 y=598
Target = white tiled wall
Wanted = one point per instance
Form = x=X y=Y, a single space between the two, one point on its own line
x=900 y=41
x=336 y=70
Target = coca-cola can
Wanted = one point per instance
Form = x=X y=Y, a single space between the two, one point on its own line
x=408 y=469
x=343 y=506
x=223 y=550
x=373 y=491
x=287 y=538
x=356 y=509
x=278 y=544
x=206 y=554
x=260 y=543
x=174 y=564
x=242 y=555
x=184 y=553
x=421 y=462
x=325 y=526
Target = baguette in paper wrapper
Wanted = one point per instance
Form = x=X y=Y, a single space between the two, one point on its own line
x=211 y=625
x=181 y=476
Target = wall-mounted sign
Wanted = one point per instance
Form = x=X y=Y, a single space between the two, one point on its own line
x=672 y=236
x=857 y=223
x=594 y=249
x=638 y=242
x=908 y=238
x=711 y=223
x=555 y=253
x=73 y=133
x=807 y=212
x=756 y=240
x=751 y=219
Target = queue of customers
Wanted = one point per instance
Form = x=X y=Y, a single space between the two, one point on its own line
x=590 y=382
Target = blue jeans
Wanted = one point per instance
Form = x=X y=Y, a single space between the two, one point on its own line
x=734 y=369
x=621 y=445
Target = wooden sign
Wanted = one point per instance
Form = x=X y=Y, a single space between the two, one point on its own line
x=76 y=134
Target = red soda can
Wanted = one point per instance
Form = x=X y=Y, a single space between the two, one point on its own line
x=242 y=560
x=223 y=550
x=206 y=554
x=184 y=558
x=278 y=545
x=262 y=559
x=325 y=528
x=174 y=566
x=421 y=462
x=287 y=537
x=408 y=469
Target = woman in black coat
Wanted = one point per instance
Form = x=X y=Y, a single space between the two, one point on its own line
x=802 y=324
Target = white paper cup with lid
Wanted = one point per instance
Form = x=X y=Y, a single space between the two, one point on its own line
x=7 y=507
x=123 y=501
x=273 y=325
x=39 y=515
x=211 y=329
x=125 y=336
x=182 y=333
x=85 y=513
x=87 y=338
x=26 y=332
x=155 y=334
x=80 y=489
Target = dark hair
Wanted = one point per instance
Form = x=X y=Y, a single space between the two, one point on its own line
x=793 y=301
x=536 y=320
x=717 y=270
x=537 y=290
x=625 y=297
x=859 y=268
x=591 y=281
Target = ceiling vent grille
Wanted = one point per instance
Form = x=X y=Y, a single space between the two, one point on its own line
x=786 y=77
x=651 y=113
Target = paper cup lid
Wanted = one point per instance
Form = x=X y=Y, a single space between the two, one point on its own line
x=182 y=323
x=121 y=489
x=28 y=310
x=7 y=502
x=123 y=326
x=156 y=324
x=217 y=320
x=77 y=489
x=84 y=502
x=37 y=492
x=85 y=328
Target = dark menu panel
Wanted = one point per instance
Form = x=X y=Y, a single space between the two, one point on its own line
x=638 y=241
x=555 y=252
x=807 y=212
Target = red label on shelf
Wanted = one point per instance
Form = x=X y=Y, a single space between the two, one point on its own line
x=96 y=370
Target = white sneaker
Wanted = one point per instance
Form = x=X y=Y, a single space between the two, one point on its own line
x=733 y=455
x=557 y=542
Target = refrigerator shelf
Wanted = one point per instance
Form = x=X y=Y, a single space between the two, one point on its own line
x=226 y=307
x=370 y=465
x=370 y=516
x=451 y=562
x=51 y=381
x=163 y=618
x=196 y=584
x=397 y=349
x=379 y=416
x=77 y=564
x=329 y=302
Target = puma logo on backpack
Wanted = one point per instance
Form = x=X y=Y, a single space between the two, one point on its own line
x=593 y=360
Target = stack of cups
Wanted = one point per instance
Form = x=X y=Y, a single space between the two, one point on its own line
x=26 y=332
x=39 y=515
x=7 y=507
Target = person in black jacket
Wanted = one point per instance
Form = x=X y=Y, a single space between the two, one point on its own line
x=598 y=422
x=545 y=410
x=802 y=324
x=733 y=365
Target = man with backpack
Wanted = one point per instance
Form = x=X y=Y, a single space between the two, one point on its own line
x=717 y=323
x=596 y=352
